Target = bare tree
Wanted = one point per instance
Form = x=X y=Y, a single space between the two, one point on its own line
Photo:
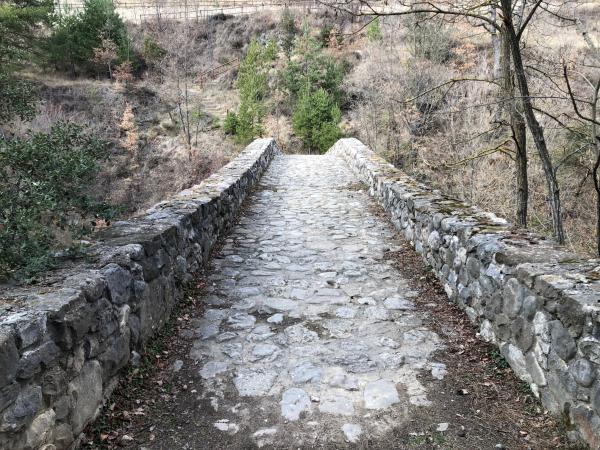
x=591 y=118
x=515 y=17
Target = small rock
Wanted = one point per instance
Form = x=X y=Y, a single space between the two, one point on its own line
x=177 y=365
x=442 y=427
x=275 y=318
x=438 y=371
x=224 y=425
x=352 y=431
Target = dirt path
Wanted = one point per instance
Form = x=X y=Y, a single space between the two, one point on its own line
x=318 y=328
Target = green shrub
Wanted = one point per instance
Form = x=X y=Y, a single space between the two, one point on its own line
x=247 y=124
x=71 y=46
x=152 y=51
x=20 y=24
x=230 y=123
x=316 y=118
x=288 y=31
x=21 y=35
x=19 y=98
x=271 y=50
x=311 y=67
x=42 y=184
x=325 y=34
x=374 y=30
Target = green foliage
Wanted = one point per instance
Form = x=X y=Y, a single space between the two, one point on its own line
x=247 y=124
x=20 y=40
x=498 y=359
x=325 y=34
x=311 y=67
x=230 y=123
x=42 y=182
x=316 y=119
x=288 y=31
x=152 y=51
x=75 y=36
x=271 y=50
x=374 y=30
x=19 y=24
x=19 y=98
x=312 y=82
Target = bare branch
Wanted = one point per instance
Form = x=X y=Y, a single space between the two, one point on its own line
x=574 y=101
x=528 y=19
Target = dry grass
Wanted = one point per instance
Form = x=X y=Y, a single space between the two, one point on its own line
x=436 y=144
x=148 y=159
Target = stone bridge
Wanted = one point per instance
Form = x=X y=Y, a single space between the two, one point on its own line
x=309 y=335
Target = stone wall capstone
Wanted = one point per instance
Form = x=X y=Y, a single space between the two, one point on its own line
x=62 y=343
x=537 y=302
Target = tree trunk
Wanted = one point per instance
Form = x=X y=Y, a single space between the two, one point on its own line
x=535 y=128
x=596 y=179
x=519 y=133
x=495 y=45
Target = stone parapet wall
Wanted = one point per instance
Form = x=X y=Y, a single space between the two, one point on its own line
x=63 y=343
x=537 y=302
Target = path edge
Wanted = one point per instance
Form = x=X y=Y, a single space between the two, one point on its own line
x=63 y=343
x=537 y=302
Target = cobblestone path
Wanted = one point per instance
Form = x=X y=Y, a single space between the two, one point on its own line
x=309 y=336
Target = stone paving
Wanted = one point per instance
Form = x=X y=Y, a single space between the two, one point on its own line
x=309 y=335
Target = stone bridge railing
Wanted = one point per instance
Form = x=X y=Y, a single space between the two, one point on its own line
x=62 y=344
x=537 y=302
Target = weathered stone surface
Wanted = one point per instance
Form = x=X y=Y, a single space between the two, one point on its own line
x=352 y=432
x=9 y=357
x=534 y=299
x=41 y=429
x=8 y=394
x=562 y=342
x=213 y=368
x=380 y=394
x=513 y=298
x=583 y=371
x=306 y=373
x=86 y=395
x=119 y=282
x=63 y=436
x=293 y=403
x=337 y=405
x=75 y=333
x=253 y=382
x=313 y=252
x=22 y=410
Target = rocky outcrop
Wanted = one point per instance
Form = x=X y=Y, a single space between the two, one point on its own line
x=537 y=302
x=63 y=343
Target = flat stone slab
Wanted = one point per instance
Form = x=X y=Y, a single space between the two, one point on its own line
x=293 y=403
x=336 y=404
x=352 y=432
x=380 y=394
x=213 y=368
x=250 y=383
